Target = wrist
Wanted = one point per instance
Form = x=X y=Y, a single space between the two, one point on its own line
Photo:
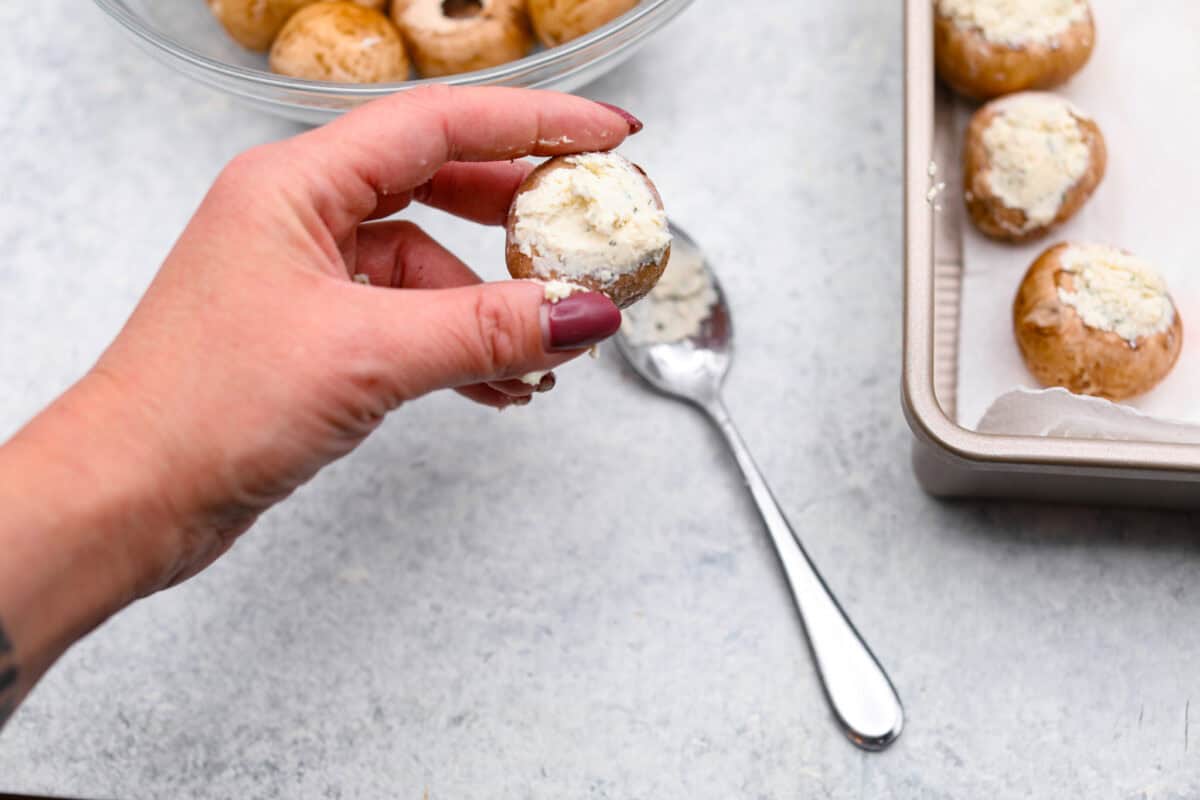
x=84 y=523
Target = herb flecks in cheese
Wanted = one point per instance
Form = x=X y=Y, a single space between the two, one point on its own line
x=596 y=217
x=1116 y=291
x=1015 y=22
x=1036 y=151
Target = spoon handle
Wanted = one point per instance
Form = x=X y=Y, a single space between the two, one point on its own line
x=862 y=696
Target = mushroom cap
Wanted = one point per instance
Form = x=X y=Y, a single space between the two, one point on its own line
x=626 y=287
x=340 y=41
x=1060 y=349
x=487 y=34
x=991 y=215
x=981 y=69
x=559 y=21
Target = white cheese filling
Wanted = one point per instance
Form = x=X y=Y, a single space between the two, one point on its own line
x=1015 y=22
x=1036 y=152
x=554 y=291
x=596 y=219
x=1116 y=291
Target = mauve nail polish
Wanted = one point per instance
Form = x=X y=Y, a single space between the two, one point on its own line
x=633 y=122
x=581 y=320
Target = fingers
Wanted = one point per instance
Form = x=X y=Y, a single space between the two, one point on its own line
x=400 y=254
x=395 y=144
x=484 y=333
x=503 y=394
x=479 y=192
x=521 y=387
x=386 y=205
x=485 y=395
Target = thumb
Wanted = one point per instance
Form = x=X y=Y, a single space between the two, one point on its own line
x=445 y=338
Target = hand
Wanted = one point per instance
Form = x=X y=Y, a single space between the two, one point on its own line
x=254 y=359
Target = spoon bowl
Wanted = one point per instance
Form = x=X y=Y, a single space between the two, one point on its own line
x=693 y=368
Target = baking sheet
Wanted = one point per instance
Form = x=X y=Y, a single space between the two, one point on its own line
x=1140 y=86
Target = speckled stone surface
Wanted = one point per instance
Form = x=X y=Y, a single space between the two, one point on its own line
x=576 y=600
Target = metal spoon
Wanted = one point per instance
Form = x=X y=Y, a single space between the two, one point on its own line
x=858 y=690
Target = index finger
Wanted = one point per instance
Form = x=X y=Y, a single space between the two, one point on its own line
x=395 y=144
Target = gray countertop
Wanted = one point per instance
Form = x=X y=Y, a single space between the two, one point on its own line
x=576 y=600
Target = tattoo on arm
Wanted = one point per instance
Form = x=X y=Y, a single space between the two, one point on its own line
x=8 y=679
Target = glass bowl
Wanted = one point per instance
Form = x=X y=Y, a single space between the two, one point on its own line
x=186 y=37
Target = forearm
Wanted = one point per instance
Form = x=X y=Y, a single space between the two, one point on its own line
x=83 y=531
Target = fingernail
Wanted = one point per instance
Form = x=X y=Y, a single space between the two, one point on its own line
x=546 y=383
x=581 y=320
x=633 y=122
x=522 y=401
